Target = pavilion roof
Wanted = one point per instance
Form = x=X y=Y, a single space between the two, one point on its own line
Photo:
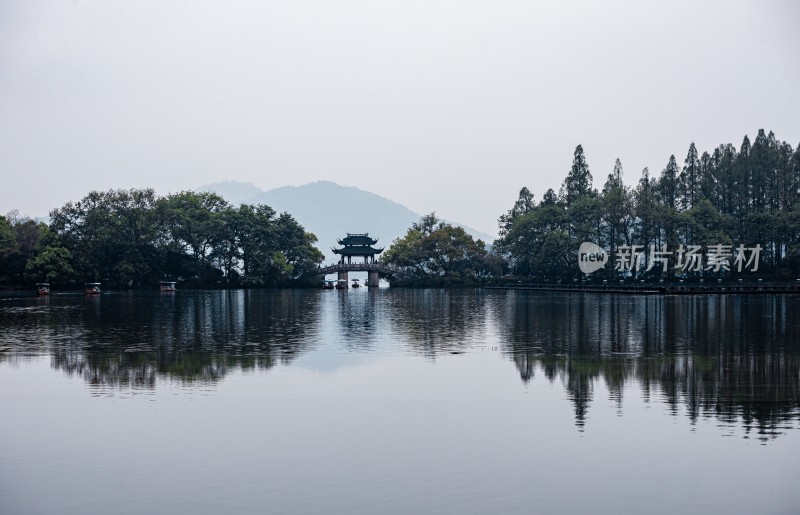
x=357 y=251
x=357 y=239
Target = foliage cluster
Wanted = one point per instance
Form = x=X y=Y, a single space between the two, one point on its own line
x=749 y=196
x=437 y=253
x=134 y=238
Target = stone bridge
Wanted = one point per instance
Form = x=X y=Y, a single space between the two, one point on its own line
x=373 y=269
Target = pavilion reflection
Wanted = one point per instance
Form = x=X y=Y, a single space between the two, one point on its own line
x=357 y=315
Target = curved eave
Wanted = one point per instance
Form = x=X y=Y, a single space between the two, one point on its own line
x=357 y=241
x=357 y=251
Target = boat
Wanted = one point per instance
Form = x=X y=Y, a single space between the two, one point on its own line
x=341 y=284
x=355 y=284
x=92 y=288
x=43 y=288
x=328 y=284
x=167 y=286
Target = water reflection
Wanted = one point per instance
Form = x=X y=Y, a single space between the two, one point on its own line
x=434 y=321
x=732 y=358
x=131 y=339
x=357 y=315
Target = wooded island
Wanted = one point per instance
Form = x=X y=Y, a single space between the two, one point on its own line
x=747 y=197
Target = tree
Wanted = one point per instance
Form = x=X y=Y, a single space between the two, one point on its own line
x=296 y=247
x=51 y=264
x=618 y=211
x=8 y=247
x=273 y=250
x=646 y=226
x=690 y=180
x=668 y=187
x=132 y=237
x=719 y=179
x=709 y=226
x=550 y=198
x=538 y=243
x=578 y=182
x=435 y=252
x=742 y=187
x=111 y=235
x=193 y=223
x=525 y=204
x=750 y=197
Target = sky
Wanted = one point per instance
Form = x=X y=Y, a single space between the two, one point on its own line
x=446 y=106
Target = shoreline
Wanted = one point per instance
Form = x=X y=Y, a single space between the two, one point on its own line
x=650 y=289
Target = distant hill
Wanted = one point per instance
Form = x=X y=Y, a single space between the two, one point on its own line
x=234 y=192
x=330 y=210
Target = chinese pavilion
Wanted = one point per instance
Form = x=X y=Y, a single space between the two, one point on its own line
x=358 y=245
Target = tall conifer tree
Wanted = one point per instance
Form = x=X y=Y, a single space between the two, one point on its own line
x=579 y=179
x=690 y=180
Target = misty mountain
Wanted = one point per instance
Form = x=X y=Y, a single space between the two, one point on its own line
x=233 y=191
x=330 y=210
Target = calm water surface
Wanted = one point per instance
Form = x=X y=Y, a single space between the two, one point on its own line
x=399 y=401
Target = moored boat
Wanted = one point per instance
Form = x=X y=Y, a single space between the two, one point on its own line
x=167 y=286
x=328 y=284
x=341 y=284
x=92 y=288
x=43 y=288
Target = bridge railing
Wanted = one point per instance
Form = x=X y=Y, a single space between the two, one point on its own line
x=359 y=267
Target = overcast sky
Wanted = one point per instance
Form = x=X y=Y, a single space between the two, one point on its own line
x=445 y=106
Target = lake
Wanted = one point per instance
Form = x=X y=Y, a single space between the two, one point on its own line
x=398 y=401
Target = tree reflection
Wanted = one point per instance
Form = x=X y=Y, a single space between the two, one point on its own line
x=438 y=321
x=191 y=337
x=733 y=358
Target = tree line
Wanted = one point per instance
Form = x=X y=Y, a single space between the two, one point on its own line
x=134 y=238
x=726 y=200
x=744 y=204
